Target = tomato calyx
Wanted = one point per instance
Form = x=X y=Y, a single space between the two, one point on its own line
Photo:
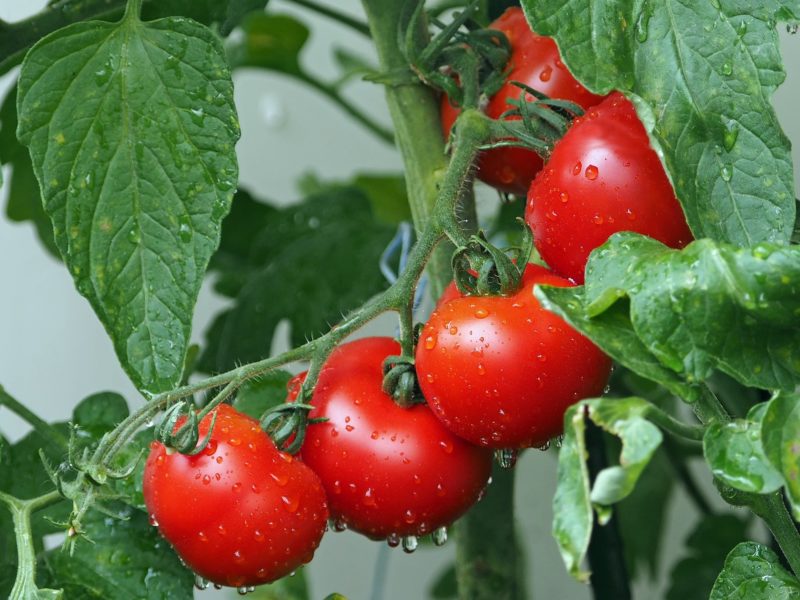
x=287 y=423
x=533 y=121
x=482 y=269
x=184 y=438
x=400 y=381
x=466 y=62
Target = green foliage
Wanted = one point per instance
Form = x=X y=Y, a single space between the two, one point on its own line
x=780 y=438
x=445 y=587
x=294 y=587
x=269 y=41
x=692 y=577
x=126 y=559
x=754 y=572
x=708 y=306
x=257 y=396
x=702 y=75
x=131 y=128
x=576 y=498
x=310 y=263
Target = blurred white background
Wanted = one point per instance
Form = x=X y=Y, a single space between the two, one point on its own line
x=54 y=352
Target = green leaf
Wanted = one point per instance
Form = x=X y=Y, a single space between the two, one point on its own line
x=8 y=546
x=708 y=306
x=293 y=587
x=130 y=488
x=693 y=576
x=131 y=127
x=702 y=75
x=126 y=559
x=736 y=456
x=257 y=396
x=24 y=197
x=445 y=586
x=270 y=42
x=310 y=264
x=575 y=499
x=100 y=413
x=754 y=572
x=780 y=436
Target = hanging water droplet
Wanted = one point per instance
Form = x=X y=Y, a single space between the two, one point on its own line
x=544 y=447
x=339 y=524
x=242 y=590
x=506 y=457
x=792 y=28
x=393 y=540
x=439 y=536
x=200 y=582
x=558 y=441
x=410 y=543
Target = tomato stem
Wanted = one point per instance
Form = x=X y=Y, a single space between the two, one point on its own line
x=50 y=434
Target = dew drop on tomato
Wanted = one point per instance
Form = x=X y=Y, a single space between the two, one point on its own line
x=546 y=73
x=591 y=172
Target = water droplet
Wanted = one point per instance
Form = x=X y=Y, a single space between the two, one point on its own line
x=198 y=115
x=447 y=446
x=410 y=543
x=258 y=535
x=280 y=478
x=546 y=73
x=409 y=516
x=481 y=369
x=481 y=313
x=591 y=172
x=453 y=330
x=730 y=134
x=726 y=68
x=152 y=520
x=236 y=487
x=598 y=219
x=206 y=479
x=369 y=499
x=564 y=197
x=577 y=168
x=726 y=172
x=185 y=229
x=201 y=535
x=237 y=556
x=544 y=447
x=440 y=536
x=242 y=590
x=134 y=236
x=291 y=504
x=339 y=524
x=506 y=457
x=430 y=342
x=201 y=583
x=631 y=215
x=792 y=28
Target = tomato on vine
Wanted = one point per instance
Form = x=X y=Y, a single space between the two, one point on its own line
x=500 y=371
x=240 y=512
x=535 y=62
x=388 y=471
x=602 y=177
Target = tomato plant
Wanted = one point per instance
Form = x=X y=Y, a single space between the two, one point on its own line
x=601 y=178
x=534 y=62
x=667 y=216
x=388 y=471
x=501 y=371
x=240 y=512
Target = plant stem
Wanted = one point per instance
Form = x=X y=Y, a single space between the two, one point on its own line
x=47 y=431
x=334 y=96
x=415 y=113
x=674 y=426
x=335 y=15
x=609 y=577
x=21 y=510
x=772 y=509
x=489 y=564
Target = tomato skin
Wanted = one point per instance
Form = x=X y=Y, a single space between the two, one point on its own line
x=602 y=177
x=534 y=61
x=501 y=371
x=240 y=512
x=387 y=470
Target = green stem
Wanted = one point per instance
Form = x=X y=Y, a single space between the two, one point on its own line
x=50 y=434
x=671 y=424
x=133 y=9
x=414 y=109
x=489 y=563
x=21 y=510
x=333 y=94
x=772 y=509
x=335 y=15
x=708 y=408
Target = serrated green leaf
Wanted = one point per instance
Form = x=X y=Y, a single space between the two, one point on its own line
x=268 y=41
x=702 y=76
x=127 y=560
x=780 y=436
x=256 y=396
x=24 y=198
x=693 y=576
x=310 y=264
x=708 y=306
x=736 y=456
x=100 y=413
x=754 y=572
x=131 y=127
x=574 y=499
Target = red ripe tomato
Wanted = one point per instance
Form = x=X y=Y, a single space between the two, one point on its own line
x=500 y=371
x=602 y=177
x=240 y=512
x=535 y=61
x=388 y=471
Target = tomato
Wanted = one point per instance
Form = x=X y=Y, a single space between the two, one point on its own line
x=500 y=371
x=388 y=471
x=602 y=177
x=534 y=61
x=240 y=512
